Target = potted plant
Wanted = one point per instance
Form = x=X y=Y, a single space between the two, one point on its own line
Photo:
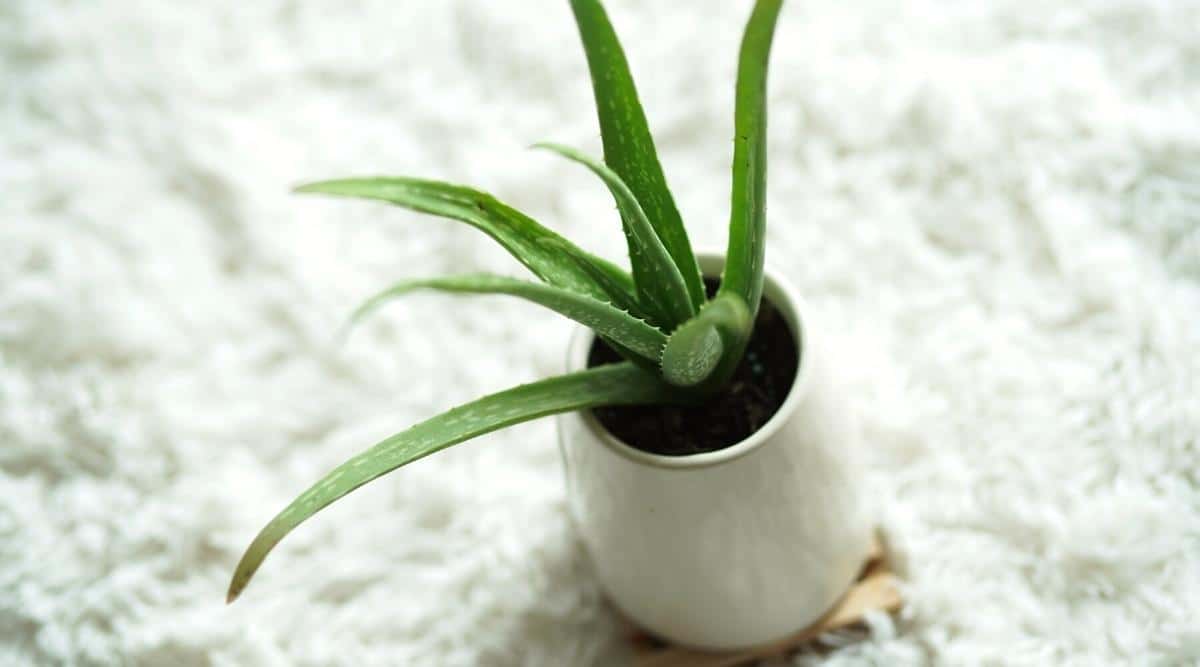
x=708 y=457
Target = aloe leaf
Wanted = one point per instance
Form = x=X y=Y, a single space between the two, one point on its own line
x=628 y=146
x=615 y=283
x=603 y=318
x=517 y=232
x=747 y=220
x=614 y=384
x=620 y=293
x=702 y=354
x=655 y=275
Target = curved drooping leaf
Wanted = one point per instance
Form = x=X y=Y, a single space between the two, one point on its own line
x=657 y=279
x=747 y=219
x=603 y=318
x=517 y=232
x=703 y=353
x=613 y=384
x=628 y=146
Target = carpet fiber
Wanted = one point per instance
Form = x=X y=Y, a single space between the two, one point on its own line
x=992 y=207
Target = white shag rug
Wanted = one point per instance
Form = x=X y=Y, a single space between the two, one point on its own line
x=993 y=205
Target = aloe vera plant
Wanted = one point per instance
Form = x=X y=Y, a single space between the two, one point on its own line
x=680 y=347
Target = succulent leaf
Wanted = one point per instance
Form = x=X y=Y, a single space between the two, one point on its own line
x=702 y=354
x=628 y=146
x=620 y=293
x=692 y=354
x=747 y=221
x=655 y=275
x=614 y=384
x=603 y=318
x=518 y=233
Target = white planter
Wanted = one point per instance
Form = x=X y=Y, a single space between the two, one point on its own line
x=732 y=548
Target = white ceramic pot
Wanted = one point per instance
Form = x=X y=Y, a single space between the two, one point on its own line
x=737 y=547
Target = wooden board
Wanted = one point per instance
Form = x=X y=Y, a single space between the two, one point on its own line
x=876 y=589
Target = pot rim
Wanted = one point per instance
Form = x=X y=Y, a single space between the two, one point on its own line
x=787 y=299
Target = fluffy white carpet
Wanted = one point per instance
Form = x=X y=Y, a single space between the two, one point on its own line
x=995 y=206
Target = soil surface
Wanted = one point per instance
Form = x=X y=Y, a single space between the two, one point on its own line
x=759 y=387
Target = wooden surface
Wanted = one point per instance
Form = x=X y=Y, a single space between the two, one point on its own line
x=875 y=589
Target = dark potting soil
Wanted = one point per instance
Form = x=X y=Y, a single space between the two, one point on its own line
x=759 y=386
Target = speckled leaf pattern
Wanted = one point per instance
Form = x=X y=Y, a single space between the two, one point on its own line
x=704 y=353
x=518 y=233
x=747 y=220
x=613 y=384
x=603 y=318
x=628 y=146
x=660 y=285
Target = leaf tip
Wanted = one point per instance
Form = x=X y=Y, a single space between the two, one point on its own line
x=553 y=147
x=236 y=585
x=251 y=560
x=339 y=186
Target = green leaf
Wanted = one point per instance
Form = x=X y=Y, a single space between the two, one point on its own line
x=628 y=146
x=702 y=354
x=659 y=283
x=747 y=220
x=692 y=354
x=614 y=384
x=518 y=233
x=620 y=293
x=603 y=318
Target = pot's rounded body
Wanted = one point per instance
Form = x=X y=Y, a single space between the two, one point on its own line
x=737 y=547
